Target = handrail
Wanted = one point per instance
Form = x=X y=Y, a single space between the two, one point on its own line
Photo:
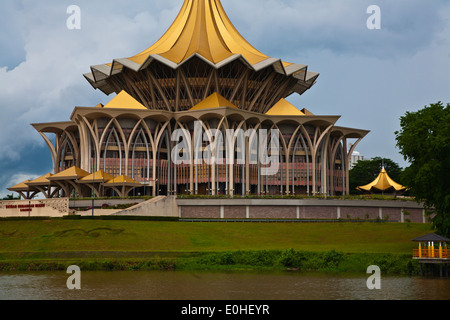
x=427 y=253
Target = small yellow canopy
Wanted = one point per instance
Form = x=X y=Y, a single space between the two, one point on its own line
x=122 y=180
x=382 y=183
x=97 y=177
x=124 y=101
x=73 y=173
x=284 y=108
x=213 y=101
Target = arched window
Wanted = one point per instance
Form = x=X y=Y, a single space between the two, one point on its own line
x=112 y=154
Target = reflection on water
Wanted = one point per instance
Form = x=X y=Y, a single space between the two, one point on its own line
x=216 y=286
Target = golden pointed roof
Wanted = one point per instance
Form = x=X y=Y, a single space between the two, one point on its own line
x=41 y=181
x=382 y=183
x=122 y=180
x=213 y=101
x=202 y=27
x=284 y=108
x=99 y=176
x=124 y=101
x=73 y=173
x=21 y=186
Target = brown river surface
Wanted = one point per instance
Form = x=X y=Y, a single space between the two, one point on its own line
x=154 y=285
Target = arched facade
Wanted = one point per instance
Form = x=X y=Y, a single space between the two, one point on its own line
x=205 y=79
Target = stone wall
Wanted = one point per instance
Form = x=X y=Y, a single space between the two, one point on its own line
x=283 y=209
x=292 y=209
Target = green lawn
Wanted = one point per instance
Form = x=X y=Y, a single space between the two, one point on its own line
x=58 y=235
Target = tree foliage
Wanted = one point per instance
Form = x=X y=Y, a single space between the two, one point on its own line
x=424 y=141
x=11 y=197
x=365 y=171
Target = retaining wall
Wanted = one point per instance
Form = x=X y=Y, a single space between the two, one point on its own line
x=395 y=211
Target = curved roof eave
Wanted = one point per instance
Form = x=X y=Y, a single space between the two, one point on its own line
x=350 y=133
x=100 y=73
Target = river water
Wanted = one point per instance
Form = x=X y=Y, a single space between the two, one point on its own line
x=154 y=285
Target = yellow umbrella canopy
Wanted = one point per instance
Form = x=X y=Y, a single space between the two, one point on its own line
x=382 y=183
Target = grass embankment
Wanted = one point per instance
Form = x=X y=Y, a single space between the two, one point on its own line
x=142 y=245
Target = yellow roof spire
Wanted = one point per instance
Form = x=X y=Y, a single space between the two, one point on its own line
x=202 y=27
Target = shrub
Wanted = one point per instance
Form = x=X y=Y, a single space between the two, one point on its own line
x=291 y=259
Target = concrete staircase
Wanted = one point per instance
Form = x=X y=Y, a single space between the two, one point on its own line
x=157 y=207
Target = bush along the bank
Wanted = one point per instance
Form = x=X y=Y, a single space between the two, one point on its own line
x=271 y=260
x=290 y=259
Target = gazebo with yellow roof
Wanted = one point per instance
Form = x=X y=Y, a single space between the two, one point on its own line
x=383 y=183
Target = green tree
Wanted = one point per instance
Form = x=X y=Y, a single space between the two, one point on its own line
x=424 y=141
x=364 y=172
x=11 y=197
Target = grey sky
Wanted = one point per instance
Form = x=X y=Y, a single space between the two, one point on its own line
x=369 y=77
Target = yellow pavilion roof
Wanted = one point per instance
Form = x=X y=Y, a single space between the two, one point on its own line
x=383 y=182
x=73 y=173
x=213 y=101
x=40 y=181
x=20 y=187
x=99 y=176
x=123 y=101
x=284 y=108
x=122 y=180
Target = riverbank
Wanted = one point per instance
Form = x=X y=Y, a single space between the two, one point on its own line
x=274 y=260
x=54 y=244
